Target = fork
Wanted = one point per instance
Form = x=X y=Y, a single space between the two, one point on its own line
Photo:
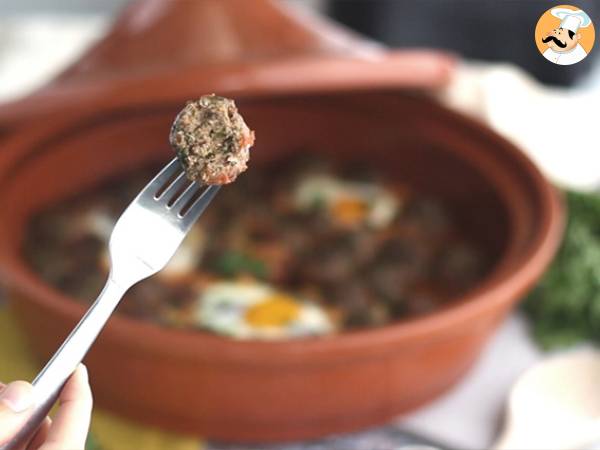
x=142 y=242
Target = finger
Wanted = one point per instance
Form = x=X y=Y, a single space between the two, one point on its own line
x=16 y=399
x=41 y=435
x=71 y=423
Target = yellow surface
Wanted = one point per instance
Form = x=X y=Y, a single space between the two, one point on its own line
x=109 y=431
x=349 y=211
x=275 y=311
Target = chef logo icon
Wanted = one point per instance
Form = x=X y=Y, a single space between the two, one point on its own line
x=564 y=35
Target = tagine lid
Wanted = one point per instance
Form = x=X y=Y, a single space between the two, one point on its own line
x=159 y=50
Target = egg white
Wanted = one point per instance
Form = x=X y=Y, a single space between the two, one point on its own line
x=222 y=309
x=382 y=205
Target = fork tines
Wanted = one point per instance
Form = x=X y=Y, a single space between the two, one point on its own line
x=173 y=190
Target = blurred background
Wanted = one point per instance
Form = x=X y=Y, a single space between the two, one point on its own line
x=493 y=31
x=500 y=79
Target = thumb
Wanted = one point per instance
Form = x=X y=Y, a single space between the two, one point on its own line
x=15 y=400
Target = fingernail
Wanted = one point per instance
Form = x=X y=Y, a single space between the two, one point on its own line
x=84 y=371
x=17 y=396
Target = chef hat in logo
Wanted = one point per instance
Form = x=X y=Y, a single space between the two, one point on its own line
x=570 y=19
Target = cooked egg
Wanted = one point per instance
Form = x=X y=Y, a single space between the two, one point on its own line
x=188 y=255
x=348 y=203
x=98 y=222
x=184 y=261
x=247 y=310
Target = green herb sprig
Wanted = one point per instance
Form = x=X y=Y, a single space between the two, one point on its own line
x=232 y=263
x=564 y=308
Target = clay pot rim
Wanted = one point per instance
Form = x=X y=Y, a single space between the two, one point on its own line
x=314 y=74
x=516 y=269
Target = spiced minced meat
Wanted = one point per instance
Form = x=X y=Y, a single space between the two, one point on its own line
x=365 y=274
x=211 y=140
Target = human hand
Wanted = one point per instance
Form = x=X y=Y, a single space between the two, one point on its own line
x=69 y=427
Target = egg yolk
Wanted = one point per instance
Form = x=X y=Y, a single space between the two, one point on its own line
x=349 y=211
x=274 y=311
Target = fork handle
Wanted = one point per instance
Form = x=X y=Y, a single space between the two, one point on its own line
x=50 y=381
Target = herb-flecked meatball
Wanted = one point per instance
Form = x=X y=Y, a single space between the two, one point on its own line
x=212 y=140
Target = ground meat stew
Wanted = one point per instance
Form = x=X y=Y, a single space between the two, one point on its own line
x=300 y=249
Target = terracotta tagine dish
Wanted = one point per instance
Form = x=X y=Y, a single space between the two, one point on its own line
x=316 y=89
